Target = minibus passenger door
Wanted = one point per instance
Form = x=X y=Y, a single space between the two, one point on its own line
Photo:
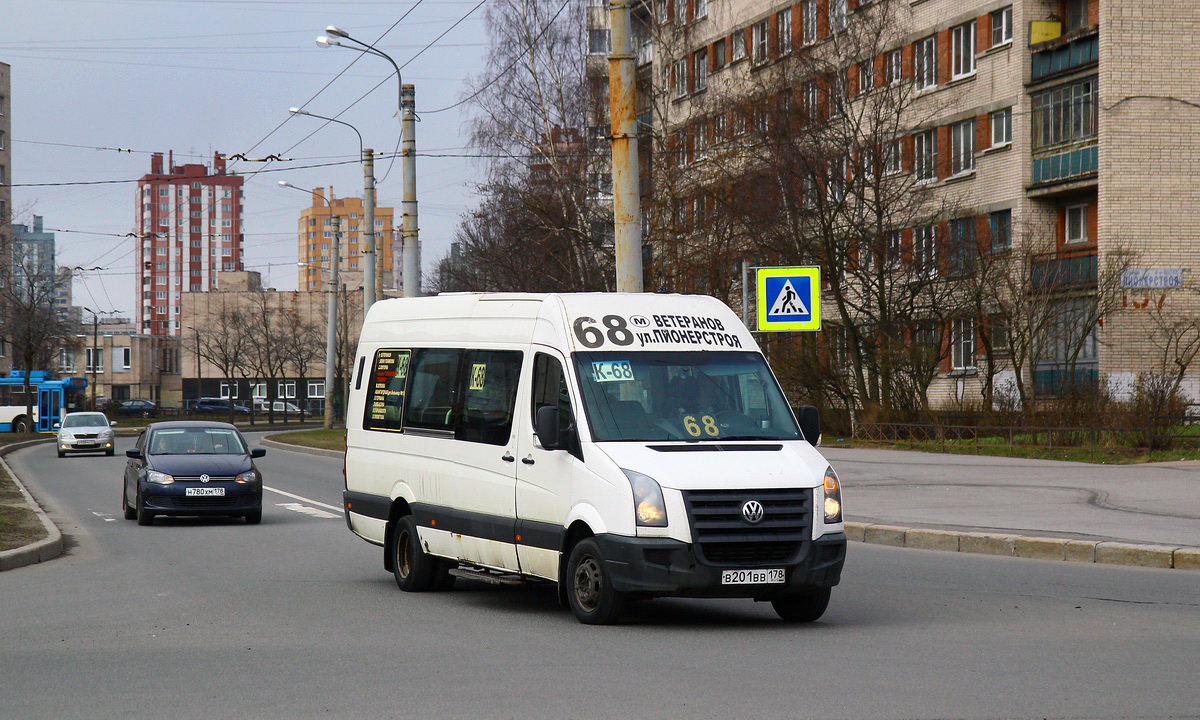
x=544 y=475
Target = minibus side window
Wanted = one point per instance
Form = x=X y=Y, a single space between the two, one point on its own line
x=430 y=403
x=489 y=390
x=550 y=388
x=385 y=390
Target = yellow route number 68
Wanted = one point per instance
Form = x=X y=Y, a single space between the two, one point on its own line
x=693 y=428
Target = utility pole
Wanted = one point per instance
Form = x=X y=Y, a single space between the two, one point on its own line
x=622 y=100
x=408 y=160
x=369 y=265
x=331 y=321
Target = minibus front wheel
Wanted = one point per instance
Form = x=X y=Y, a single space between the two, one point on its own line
x=802 y=607
x=589 y=586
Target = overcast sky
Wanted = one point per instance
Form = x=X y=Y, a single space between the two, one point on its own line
x=198 y=76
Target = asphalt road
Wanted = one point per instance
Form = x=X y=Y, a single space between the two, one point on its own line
x=297 y=618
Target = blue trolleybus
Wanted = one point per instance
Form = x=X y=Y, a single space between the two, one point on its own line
x=51 y=400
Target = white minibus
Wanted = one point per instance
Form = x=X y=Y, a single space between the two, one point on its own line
x=623 y=446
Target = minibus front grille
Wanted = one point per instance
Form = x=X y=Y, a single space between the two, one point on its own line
x=723 y=536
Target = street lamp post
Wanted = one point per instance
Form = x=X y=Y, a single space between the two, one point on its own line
x=330 y=307
x=406 y=109
x=94 y=349
x=372 y=281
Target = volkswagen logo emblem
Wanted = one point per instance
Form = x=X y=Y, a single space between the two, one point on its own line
x=752 y=512
x=206 y=478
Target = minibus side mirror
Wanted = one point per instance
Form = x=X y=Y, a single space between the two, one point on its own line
x=810 y=424
x=548 y=431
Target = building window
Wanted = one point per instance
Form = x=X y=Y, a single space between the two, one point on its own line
x=960 y=256
x=837 y=179
x=962 y=147
x=963 y=339
x=837 y=96
x=925 y=152
x=286 y=389
x=895 y=67
x=962 y=43
x=1077 y=224
x=1077 y=15
x=837 y=15
x=1001 y=224
x=701 y=59
x=925 y=62
x=598 y=41
x=1065 y=114
x=866 y=76
x=93 y=360
x=316 y=388
x=125 y=358
x=925 y=250
x=229 y=391
x=808 y=19
x=1002 y=26
x=738 y=38
x=812 y=99
x=719 y=54
x=679 y=77
x=784 y=23
x=892 y=154
x=66 y=361
x=1002 y=127
x=701 y=9
x=761 y=36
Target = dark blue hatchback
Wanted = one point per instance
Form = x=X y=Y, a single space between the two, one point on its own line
x=192 y=468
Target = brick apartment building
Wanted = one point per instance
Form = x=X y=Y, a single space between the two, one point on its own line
x=1066 y=130
x=189 y=229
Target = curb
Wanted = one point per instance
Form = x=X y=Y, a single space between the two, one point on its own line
x=1038 y=548
x=268 y=442
x=45 y=549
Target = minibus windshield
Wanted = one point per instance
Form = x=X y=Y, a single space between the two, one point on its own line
x=693 y=396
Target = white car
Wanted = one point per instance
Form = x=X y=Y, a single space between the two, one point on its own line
x=85 y=432
x=281 y=406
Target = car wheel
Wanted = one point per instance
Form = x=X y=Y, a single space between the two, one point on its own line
x=109 y=452
x=802 y=607
x=61 y=454
x=589 y=586
x=144 y=517
x=130 y=512
x=254 y=517
x=414 y=569
x=22 y=425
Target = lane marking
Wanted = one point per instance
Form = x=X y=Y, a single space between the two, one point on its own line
x=335 y=508
x=104 y=516
x=306 y=510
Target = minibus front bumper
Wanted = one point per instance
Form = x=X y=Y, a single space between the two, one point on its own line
x=662 y=567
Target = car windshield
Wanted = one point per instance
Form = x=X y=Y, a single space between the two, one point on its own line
x=683 y=396
x=85 y=420
x=196 y=441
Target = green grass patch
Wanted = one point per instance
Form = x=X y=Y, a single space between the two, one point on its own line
x=993 y=447
x=18 y=524
x=322 y=439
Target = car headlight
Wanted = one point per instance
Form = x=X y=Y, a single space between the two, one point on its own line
x=247 y=477
x=649 y=508
x=66 y=436
x=106 y=434
x=159 y=478
x=833 y=497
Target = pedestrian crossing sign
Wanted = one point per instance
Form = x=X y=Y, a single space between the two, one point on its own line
x=789 y=298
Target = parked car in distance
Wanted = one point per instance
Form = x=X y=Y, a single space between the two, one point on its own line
x=281 y=406
x=192 y=468
x=102 y=403
x=85 y=432
x=138 y=408
x=216 y=406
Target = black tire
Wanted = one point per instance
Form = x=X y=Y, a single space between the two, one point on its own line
x=254 y=517
x=442 y=579
x=109 y=452
x=589 y=586
x=413 y=569
x=61 y=454
x=130 y=513
x=22 y=425
x=802 y=607
x=143 y=516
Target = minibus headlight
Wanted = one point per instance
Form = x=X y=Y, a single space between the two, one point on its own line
x=649 y=508
x=833 y=497
x=158 y=478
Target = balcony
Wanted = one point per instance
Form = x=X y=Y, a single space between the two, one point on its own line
x=1064 y=271
x=1066 y=163
x=1066 y=57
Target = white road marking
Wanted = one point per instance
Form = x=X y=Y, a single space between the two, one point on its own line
x=335 y=508
x=104 y=516
x=297 y=507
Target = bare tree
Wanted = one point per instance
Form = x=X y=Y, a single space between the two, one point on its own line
x=226 y=344
x=301 y=344
x=266 y=356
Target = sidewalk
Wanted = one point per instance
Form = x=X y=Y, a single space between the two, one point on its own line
x=1126 y=514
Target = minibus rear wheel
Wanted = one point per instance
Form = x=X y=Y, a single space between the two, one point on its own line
x=802 y=607
x=589 y=586
x=413 y=569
